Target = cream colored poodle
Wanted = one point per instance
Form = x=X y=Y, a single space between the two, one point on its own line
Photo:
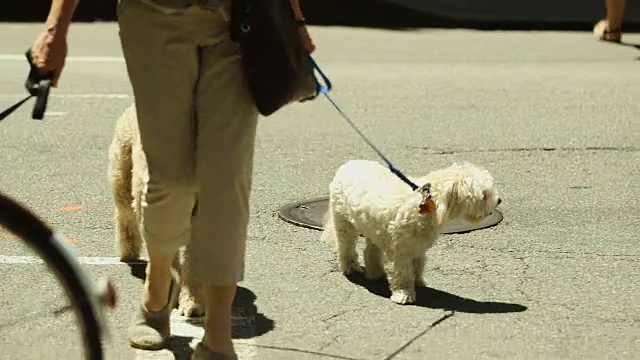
x=399 y=224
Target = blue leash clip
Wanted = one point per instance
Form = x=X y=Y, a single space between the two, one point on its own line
x=325 y=89
x=322 y=89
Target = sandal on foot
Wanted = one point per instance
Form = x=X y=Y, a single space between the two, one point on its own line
x=151 y=329
x=602 y=31
x=202 y=353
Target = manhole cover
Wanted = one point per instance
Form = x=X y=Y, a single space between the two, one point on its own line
x=310 y=214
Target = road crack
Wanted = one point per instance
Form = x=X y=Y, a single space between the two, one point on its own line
x=523 y=277
x=324 y=355
x=328 y=324
x=444 y=317
x=340 y=313
x=564 y=254
x=434 y=151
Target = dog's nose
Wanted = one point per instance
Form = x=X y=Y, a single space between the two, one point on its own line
x=499 y=201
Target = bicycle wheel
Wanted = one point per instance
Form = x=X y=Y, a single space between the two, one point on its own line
x=82 y=295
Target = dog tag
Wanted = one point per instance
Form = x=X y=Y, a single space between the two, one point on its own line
x=428 y=207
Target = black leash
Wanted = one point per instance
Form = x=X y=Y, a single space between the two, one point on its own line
x=38 y=86
x=325 y=89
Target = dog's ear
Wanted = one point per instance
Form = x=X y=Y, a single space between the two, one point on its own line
x=447 y=201
x=442 y=211
x=454 y=192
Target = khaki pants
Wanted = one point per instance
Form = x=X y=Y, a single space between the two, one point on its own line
x=197 y=124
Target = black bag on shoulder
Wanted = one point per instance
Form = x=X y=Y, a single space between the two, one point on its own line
x=278 y=68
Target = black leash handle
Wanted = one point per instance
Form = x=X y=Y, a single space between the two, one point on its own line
x=38 y=86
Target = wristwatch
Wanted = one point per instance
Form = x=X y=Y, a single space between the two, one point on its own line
x=301 y=22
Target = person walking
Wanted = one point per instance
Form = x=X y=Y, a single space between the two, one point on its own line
x=610 y=28
x=197 y=124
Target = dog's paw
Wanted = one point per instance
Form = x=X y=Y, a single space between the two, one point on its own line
x=190 y=302
x=403 y=297
x=351 y=269
x=349 y=265
x=189 y=307
x=374 y=274
x=129 y=257
x=127 y=251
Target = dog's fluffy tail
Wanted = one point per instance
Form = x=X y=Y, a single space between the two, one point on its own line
x=120 y=175
x=121 y=160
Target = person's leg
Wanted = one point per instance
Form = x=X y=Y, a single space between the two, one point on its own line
x=615 y=13
x=162 y=64
x=610 y=28
x=227 y=120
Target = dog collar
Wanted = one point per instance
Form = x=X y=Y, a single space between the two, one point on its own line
x=427 y=205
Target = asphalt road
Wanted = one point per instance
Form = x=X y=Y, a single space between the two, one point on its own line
x=554 y=117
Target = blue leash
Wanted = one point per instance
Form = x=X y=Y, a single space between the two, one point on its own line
x=325 y=89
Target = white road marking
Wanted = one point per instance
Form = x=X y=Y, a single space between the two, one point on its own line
x=85 y=260
x=17 y=97
x=57 y=113
x=93 y=59
x=180 y=327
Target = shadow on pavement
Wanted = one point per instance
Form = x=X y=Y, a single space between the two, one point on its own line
x=247 y=321
x=637 y=46
x=383 y=14
x=438 y=299
x=138 y=269
x=180 y=347
x=379 y=14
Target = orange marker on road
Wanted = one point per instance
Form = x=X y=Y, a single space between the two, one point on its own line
x=71 y=208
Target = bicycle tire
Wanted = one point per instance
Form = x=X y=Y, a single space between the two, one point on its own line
x=78 y=287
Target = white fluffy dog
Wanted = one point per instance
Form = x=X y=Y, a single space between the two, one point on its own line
x=399 y=224
x=128 y=176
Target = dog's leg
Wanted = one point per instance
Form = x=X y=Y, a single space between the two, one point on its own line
x=373 y=268
x=191 y=298
x=120 y=178
x=139 y=180
x=401 y=277
x=127 y=235
x=346 y=238
x=418 y=269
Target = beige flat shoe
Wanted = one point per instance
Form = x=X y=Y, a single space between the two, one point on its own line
x=150 y=330
x=602 y=31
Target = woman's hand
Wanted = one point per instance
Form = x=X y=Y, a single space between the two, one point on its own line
x=49 y=52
